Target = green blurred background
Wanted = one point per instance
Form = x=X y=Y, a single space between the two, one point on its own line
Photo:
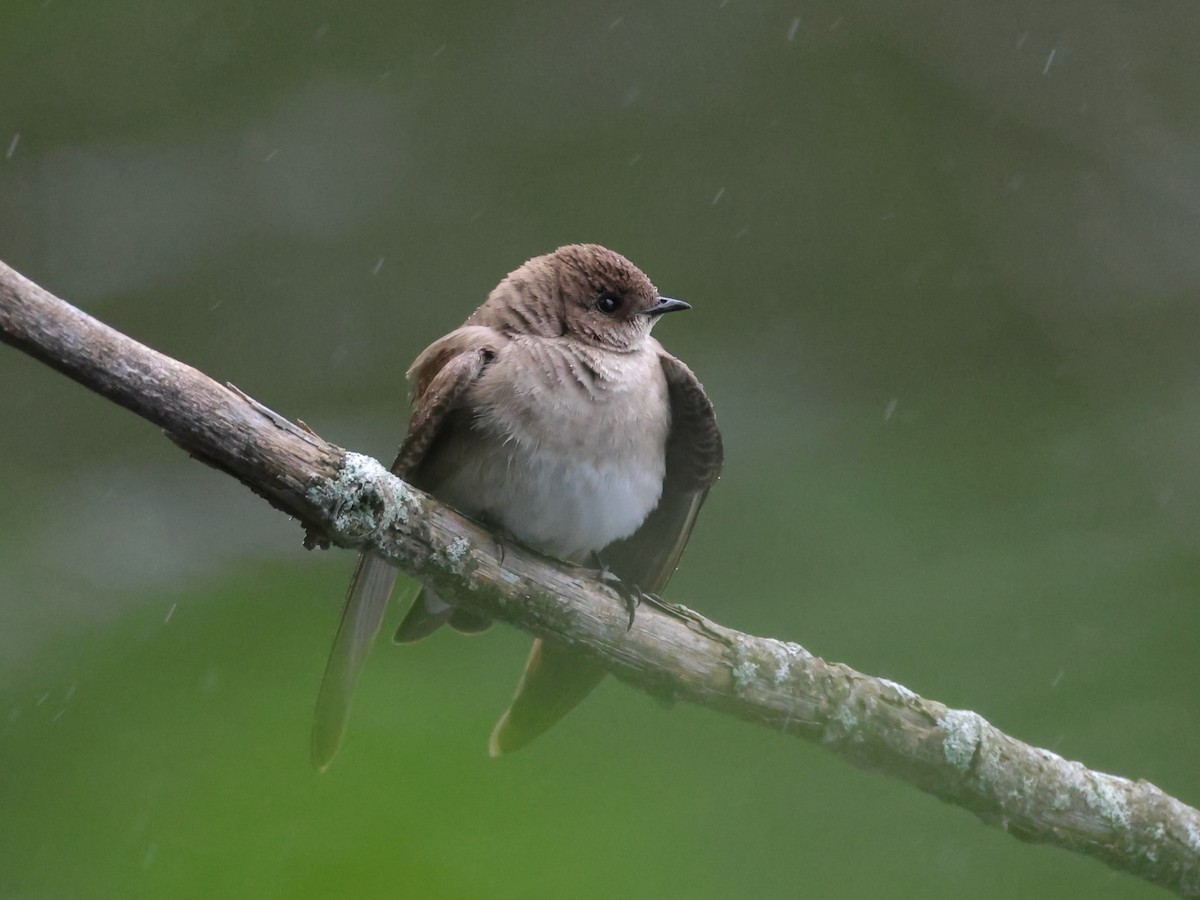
x=944 y=263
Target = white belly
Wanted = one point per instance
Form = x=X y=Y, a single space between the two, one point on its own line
x=565 y=473
x=568 y=509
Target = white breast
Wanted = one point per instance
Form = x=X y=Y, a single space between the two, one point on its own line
x=569 y=464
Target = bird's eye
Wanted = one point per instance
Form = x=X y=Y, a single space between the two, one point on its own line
x=608 y=303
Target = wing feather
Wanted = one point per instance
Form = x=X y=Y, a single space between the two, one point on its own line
x=442 y=376
x=695 y=455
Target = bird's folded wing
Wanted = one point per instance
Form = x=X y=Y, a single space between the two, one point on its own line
x=442 y=376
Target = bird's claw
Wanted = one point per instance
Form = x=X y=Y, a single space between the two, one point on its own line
x=633 y=599
x=630 y=593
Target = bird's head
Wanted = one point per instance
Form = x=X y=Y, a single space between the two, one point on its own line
x=584 y=291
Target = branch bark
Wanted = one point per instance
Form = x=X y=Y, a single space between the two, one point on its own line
x=352 y=501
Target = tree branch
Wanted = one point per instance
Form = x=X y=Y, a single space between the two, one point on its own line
x=352 y=501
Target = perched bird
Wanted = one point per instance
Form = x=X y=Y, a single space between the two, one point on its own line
x=553 y=415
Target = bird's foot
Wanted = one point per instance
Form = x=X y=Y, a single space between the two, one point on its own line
x=633 y=595
x=500 y=535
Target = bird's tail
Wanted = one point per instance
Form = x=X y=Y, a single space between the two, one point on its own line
x=430 y=612
x=555 y=680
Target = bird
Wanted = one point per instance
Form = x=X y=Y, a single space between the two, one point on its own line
x=553 y=417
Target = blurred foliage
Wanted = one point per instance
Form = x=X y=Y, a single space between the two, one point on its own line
x=942 y=259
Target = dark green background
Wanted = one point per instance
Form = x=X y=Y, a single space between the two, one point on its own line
x=944 y=259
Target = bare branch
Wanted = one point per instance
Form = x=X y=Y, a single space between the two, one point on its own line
x=353 y=501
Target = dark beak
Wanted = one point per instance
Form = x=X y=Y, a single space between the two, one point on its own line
x=666 y=305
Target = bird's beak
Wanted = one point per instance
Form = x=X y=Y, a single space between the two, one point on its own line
x=666 y=305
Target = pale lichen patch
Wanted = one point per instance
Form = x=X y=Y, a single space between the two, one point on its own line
x=744 y=674
x=1105 y=795
x=456 y=552
x=1192 y=834
x=744 y=670
x=963 y=732
x=900 y=689
x=846 y=718
x=783 y=656
x=364 y=498
x=1157 y=835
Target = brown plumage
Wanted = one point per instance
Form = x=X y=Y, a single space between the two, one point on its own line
x=551 y=413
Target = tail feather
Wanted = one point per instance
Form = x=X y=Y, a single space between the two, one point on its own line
x=362 y=614
x=427 y=614
x=555 y=681
x=430 y=612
